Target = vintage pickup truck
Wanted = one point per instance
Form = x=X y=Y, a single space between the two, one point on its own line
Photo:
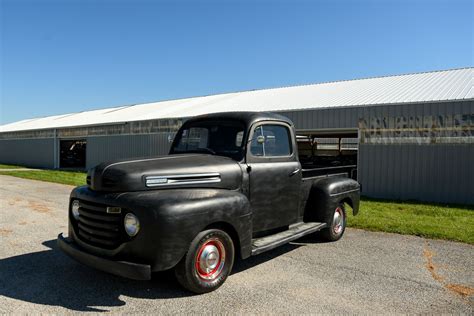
x=231 y=187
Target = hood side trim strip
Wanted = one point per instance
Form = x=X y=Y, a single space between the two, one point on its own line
x=182 y=179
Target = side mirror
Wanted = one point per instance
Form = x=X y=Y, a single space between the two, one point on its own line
x=260 y=139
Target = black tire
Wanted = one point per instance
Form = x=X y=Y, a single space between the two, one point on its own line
x=337 y=227
x=191 y=274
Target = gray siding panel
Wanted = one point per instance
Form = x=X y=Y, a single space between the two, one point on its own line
x=426 y=172
x=105 y=148
x=324 y=118
x=37 y=152
x=437 y=173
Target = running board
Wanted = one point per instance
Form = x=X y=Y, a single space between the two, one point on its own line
x=295 y=231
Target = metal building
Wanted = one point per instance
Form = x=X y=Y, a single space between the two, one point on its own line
x=414 y=133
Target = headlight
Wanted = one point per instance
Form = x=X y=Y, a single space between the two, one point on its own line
x=132 y=225
x=75 y=209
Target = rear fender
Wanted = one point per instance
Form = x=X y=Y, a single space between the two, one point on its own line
x=326 y=194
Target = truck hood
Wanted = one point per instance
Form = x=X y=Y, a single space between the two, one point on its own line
x=166 y=172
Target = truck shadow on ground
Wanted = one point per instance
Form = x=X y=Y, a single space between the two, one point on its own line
x=51 y=278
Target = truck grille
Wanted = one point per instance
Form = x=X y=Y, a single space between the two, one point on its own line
x=97 y=227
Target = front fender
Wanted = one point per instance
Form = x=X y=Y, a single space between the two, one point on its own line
x=185 y=213
x=170 y=219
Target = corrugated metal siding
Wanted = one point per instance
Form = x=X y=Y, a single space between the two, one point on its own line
x=38 y=152
x=105 y=148
x=325 y=118
x=438 y=173
x=349 y=117
x=426 y=172
x=429 y=172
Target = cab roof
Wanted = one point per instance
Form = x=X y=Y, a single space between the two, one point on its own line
x=247 y=117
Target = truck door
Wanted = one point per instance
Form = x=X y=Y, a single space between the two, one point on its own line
x=274 y=177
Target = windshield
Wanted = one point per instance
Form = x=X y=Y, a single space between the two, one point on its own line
x=223 y=138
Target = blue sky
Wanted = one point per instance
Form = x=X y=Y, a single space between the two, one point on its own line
x=75 y=55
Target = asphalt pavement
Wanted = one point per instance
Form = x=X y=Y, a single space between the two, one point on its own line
x=363 y=273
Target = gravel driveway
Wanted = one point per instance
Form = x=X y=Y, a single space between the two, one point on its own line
x=365 y=272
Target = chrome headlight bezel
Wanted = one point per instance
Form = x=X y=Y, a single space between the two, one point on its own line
x=131 y=224
x=75 y=209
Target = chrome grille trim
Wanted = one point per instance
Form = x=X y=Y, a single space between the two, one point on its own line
x=98 y=228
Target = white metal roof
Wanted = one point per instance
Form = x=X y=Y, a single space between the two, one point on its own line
x=434 y=86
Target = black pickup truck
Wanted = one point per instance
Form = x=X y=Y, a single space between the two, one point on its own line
x=231 y=187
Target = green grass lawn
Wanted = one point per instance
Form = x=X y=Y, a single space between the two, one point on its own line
x=414 y=218
x=9 y=166
x=409 y=218
x=64 y=177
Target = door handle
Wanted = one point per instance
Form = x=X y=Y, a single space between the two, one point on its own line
x=295 y=172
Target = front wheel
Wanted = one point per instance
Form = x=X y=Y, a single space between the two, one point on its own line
x=337 y=224
x=208 y=262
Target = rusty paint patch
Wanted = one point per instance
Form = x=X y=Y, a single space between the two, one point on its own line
x=22 y=223
x=459 y=289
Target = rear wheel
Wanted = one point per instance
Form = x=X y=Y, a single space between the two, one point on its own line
x=337 y=224
x=208 y=262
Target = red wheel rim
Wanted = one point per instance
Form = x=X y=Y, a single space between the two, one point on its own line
x=338 y=221
x=210 y=258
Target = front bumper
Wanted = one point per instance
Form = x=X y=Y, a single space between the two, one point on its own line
x=121 y=268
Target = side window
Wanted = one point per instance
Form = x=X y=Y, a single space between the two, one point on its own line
x=257 y=146
x=239 y=137
x=271 y=141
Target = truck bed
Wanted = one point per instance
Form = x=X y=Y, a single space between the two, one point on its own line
x=348 y=171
